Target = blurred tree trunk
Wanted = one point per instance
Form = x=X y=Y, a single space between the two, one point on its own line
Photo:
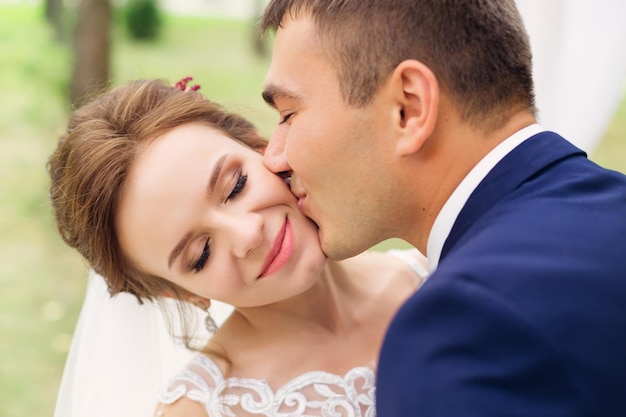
x=54 y=16
x=260 y=46
x=92 y=50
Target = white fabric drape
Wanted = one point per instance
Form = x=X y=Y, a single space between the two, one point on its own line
x=579 y=52
x=121 y=353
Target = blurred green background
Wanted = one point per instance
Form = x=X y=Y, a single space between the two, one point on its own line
x=42 y=282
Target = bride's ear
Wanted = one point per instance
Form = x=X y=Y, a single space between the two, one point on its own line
x=167 y=293
x=198 y=301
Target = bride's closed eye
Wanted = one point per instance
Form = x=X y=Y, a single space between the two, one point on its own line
x=199 y=264
x=239 y=186
x=201 y=261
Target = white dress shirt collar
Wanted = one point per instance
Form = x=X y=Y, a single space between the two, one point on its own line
x=453 y=206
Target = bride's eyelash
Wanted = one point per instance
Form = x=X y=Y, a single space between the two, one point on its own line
x=241 y=183
x=199 y=264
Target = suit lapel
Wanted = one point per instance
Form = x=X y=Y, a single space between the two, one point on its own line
x=523 y=162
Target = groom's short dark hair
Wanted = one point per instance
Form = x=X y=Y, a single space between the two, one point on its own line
x=478 y=50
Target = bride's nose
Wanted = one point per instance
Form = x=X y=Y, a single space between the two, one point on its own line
x=245 y=233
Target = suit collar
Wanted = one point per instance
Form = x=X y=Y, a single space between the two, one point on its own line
x=515 y=168
x=458 y=198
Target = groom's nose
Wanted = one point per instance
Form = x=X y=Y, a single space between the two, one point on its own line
x=275 y=158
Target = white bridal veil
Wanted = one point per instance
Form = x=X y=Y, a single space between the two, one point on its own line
x=121 y=354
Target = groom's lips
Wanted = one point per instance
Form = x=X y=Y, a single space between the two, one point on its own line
x=303 y=206
x=281 y=251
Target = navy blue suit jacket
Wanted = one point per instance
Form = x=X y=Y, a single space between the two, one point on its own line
x=526 y=312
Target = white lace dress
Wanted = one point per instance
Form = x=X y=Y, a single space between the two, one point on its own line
x=314 y=394
x=311 y=394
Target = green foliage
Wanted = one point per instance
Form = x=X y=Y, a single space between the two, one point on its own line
x=612 y=150
x=143 y=19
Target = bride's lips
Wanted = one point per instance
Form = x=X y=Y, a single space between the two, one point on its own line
x=280 y=252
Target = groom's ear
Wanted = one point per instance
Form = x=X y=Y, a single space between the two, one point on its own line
x=416 y=98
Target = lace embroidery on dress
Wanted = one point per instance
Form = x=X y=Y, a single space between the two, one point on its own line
x=315 y=394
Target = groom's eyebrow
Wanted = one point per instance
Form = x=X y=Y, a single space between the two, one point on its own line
x=272 y=93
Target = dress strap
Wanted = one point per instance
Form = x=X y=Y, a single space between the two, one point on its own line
x=415 y=260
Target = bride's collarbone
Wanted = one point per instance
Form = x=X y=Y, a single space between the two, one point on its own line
x=280 y=368
x=280 y=360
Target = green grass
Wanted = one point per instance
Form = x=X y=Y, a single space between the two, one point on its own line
x=611 y=152
x=41 y=290
x=42 y=282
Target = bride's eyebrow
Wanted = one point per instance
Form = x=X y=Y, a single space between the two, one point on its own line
x=216 y=172
x=178 y=249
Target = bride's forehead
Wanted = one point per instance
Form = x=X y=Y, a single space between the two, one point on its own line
x=189 y=141
x=196 y=132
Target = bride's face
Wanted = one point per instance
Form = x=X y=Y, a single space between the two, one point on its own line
x=200 y=209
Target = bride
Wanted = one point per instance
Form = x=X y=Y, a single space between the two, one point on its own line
x=166 y=196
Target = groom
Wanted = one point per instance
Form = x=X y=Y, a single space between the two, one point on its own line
x=415 y=119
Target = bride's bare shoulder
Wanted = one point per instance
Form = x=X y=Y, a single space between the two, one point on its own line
x=390 y=267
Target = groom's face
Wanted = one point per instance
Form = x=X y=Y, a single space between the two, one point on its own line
x=334 y=150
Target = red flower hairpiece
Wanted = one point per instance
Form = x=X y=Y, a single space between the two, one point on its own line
x=182 y=85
